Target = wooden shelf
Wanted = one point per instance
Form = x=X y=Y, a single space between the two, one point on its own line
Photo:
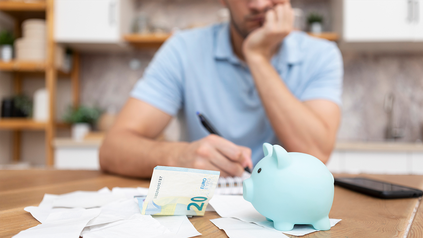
x=63 y=125
x=326 y=35
x=24 y=10
x=22 y=66
x=21 y=10
x=146 y=40
x=153 y=40
x=27 y=66
x=22 y=6
x=21 y=124
x=26 y=123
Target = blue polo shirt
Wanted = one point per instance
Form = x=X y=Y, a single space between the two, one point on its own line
x=197 y=70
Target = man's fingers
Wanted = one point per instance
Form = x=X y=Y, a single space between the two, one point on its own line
x=280 y=11
x=246 y=154
x=206 y=164
x=231 y=151
x=281 y=1
x=288 y=15
x=226 y=165
x=270 y=19
x=225 y=147
x=284 y=14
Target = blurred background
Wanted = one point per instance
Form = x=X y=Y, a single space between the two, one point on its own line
x=67 y=67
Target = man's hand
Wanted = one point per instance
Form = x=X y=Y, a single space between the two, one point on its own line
x=216 y=153
x=264 y=41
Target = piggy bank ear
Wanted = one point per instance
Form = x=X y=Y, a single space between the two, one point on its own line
x=267 y=149
x=282 y=156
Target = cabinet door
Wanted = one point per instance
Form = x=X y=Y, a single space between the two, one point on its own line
x=418 y=20
x=378 y=20
x=85 y=21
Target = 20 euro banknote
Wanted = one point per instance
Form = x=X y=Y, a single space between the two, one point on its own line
x=179 y=191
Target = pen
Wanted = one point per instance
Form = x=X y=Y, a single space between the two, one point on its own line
x=212 y=130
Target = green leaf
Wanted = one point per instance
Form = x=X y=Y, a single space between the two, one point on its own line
x=6 y=38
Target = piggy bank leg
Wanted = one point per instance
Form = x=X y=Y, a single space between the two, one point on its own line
x=322 y=224
x=283 y=226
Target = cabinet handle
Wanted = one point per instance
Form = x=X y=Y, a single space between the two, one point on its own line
x=112 y=10
x=410 y=11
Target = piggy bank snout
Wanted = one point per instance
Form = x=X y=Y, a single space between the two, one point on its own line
x=248 y=189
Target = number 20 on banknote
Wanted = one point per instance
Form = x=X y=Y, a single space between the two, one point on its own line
x=195 y=202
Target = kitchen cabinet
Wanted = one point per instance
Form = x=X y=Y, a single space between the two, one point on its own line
x=382 y=20
x=377 y=158
x=70 y=154
x=92 y=21
x=418 y=20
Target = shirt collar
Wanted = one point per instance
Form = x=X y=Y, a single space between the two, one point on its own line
x=289 y=53
x=291 y=50
x=223 y=48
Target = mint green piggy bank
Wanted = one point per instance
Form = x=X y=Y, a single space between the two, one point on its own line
x=291 y=188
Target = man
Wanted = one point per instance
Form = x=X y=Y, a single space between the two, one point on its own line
x=255 y=79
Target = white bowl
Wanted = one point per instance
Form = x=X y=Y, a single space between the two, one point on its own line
x=34 y=23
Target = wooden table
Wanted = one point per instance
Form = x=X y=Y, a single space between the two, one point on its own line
x=362 y=216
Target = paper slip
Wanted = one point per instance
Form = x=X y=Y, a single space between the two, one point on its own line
x=237 y=207
x=43 y=210
x=114 y=219
x=179 y=226
x=66 y=223
x=86 y=199
x=116 y=211
x=130 y=192
x=179 y=191
x=134 y=227
x=235 y=228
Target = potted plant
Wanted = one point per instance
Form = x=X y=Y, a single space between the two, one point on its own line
x=315 y=22
x=82 y=118
x=6 y=46
x=22 y=106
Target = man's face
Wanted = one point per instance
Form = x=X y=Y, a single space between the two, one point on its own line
x=248 y=15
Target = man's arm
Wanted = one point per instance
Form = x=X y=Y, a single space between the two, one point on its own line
x=309 y=126
x=130 y=149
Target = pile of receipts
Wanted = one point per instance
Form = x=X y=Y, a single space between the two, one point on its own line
x=174 y=193
x=102 y=213
x=241 y=220
x=160 y=211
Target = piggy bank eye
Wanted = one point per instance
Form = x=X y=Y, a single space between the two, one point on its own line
x=259 y=170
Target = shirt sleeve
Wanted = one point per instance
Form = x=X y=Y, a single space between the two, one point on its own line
x=161 y=85
x=326 y=80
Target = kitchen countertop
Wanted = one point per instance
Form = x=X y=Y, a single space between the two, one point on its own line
x=379 y=146
x=340 y=146
x=69 y=142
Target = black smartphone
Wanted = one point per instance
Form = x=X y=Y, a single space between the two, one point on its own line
x=377 y=188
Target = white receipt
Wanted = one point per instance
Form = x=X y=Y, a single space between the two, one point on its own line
x=179 y=226
x=116 y=211
x=43 y=210
x=237 y=207
x=86 y=199
x=63 y=223
x=235 y=228
x=136 y=226
x=130 y=192
x=118 y=216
